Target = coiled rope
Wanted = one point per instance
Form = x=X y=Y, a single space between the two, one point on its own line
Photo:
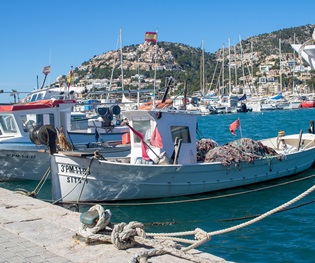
x=125 y=236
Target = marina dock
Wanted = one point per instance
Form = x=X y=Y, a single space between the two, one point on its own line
x=32 y=230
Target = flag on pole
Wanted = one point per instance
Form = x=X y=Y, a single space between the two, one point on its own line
x=150 y=37
x=144 y=146
x=156 y=139
x=69 y=80
x=46 y=70
x=234 y=126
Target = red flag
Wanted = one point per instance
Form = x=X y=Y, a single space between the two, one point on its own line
x=156 y=139
x=144 y=147
x=234 y=126
x=150 y=37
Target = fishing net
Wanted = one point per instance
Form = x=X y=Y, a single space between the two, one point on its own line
x=203 y=147
x=242 y=150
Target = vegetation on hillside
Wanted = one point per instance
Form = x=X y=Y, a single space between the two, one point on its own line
x=189 y=59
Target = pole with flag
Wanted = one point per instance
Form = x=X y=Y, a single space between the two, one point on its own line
x=46 y=71
x=69 y=79
x=152 y=38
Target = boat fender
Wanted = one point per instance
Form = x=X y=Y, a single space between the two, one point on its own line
x=311 y=128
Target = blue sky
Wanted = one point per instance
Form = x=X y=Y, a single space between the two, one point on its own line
x=65 y=33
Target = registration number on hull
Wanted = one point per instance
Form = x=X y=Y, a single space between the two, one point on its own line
x=72 y=169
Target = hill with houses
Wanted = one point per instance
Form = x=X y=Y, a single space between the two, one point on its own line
x=256 y=64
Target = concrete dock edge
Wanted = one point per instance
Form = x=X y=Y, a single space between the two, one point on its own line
x=32 y=230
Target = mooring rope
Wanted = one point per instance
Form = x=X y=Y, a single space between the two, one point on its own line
x=194 y=199
x=125 y=236
x=38 y=187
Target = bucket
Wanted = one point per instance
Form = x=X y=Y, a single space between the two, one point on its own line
x=125 y=138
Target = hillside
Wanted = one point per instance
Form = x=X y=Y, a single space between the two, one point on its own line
x=183 y=63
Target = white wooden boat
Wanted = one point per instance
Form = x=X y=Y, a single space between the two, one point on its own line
x=20 y=158
x=172 y=168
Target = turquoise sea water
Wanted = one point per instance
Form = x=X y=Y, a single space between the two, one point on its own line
x=287 y=236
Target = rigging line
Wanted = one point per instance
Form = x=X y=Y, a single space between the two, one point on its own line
x=192 y=200
x=253 y=216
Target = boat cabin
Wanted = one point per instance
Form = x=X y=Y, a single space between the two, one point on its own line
x=172 y=132
x=16 y=120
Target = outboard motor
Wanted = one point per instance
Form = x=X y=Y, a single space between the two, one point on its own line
x=243 y=107
x=107 y=114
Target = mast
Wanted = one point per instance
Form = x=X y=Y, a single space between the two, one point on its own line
x=113 y=68
x=139 y=85
x=235 y=67
x=121 y=64
x=242 y=61
x=223 y=67
x=280 y=73
x=203 y=69
x=230 y=90
x=252 y=62
x=155 y=59
x=293 y=83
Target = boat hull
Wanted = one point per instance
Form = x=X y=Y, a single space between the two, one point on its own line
x=111 y=181
x=28 y=162
x=23 y=164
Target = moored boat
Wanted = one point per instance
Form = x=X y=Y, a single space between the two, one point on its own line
x=164 y=162
x=20 y=158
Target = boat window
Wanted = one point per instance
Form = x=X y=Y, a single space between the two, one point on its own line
x=40 y=96
x=144 y=127
x=79 y=122
x=8 y=124
x=182 y=132
x=31 y=120
x=33 y=98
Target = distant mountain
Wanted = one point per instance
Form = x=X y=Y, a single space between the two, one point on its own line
x=184 y=63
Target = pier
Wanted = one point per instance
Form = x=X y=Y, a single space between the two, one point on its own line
x=32 y=230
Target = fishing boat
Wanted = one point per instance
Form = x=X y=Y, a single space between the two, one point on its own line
x=165 y=162
x=20 y=123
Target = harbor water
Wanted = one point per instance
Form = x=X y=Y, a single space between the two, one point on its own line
x=286 y=236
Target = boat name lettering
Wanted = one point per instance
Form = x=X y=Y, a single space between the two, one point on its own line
x=21 y=156
x=66 y=168
x=75 y=180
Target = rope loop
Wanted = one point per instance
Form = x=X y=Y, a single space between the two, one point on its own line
x=103 y=221
x=201 y=235
x=123 y=234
